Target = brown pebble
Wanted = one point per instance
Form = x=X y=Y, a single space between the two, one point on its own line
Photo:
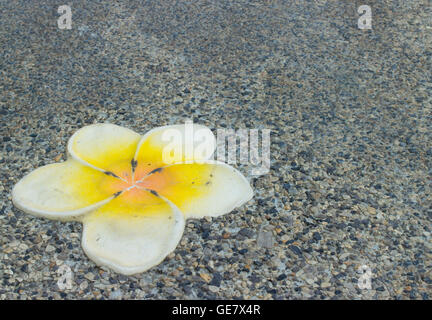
x=206 y=277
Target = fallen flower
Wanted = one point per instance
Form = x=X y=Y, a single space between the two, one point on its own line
x=132 y=203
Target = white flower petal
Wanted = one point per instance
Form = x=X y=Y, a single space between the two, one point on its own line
x=63 y=190
x=104 y=146
x=130 y=239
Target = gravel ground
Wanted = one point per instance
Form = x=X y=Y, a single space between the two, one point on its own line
x=351 y=120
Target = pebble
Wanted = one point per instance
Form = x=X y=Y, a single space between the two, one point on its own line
x=89 y=276
x=83 y=285
x=214 y=289
x=50 y=248
x=206 y=277
x=296 y=250
x=116 y=294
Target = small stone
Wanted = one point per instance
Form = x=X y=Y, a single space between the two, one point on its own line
x=89 y=276
x=371 y=210
x=248 y=233
x=14 y=244
x=23 y=246
x=281 y=277
x=344 y=255
x=285 y=238
x=296 y=250
x=216 y=280
x=206 y=277
x=116 y=294
x=50 y=248
x=83 y=285
x=213 y=289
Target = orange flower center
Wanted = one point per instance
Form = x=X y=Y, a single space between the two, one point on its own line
x=132 y=181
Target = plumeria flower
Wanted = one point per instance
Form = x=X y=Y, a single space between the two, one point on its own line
x=132 y=202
